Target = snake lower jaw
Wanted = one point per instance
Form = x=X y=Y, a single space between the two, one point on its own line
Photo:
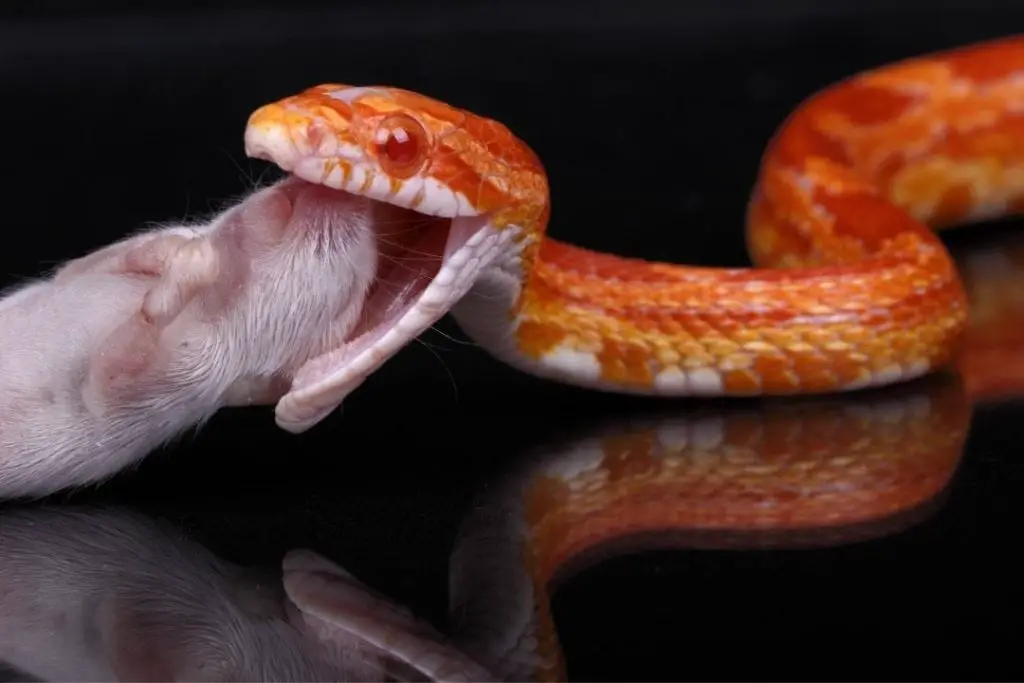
x=430 y=253
x=423 y=272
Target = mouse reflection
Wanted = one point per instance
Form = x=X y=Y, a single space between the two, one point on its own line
x=107 y=594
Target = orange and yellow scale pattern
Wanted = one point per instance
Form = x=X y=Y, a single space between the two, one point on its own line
x=861 y=291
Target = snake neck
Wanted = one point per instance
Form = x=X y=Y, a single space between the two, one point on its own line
x=629 y=325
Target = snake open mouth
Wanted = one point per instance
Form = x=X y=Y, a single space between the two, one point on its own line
x=428 y=258
x=426 y=263
x=433 y=242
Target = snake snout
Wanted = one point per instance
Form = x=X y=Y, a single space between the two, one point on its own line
x=271 y=135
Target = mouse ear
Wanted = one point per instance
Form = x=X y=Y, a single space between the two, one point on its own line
x=262 y=220
x=335 y=606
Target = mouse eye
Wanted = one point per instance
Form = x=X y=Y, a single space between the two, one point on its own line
x=402 y=145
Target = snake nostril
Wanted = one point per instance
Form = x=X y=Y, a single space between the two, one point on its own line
x=316 y=134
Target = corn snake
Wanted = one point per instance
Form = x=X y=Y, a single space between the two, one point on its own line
x=851 y=289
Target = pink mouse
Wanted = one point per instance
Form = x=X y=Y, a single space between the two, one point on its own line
x=122 y=349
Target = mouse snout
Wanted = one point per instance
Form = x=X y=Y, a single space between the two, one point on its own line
x=301 y=192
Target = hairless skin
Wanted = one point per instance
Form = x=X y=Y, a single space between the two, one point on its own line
x=123 y=349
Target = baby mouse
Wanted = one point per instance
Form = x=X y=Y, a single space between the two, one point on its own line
x=121 y=350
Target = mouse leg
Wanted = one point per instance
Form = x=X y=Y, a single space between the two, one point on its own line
x=140 y=255
x=187 y=267
x=208 y=261
x=131 y=358
x=338 y=609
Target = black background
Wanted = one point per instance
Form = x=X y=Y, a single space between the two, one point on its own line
x=651 y=118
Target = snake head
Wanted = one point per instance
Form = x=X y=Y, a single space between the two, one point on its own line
x=402 y=148
x=454 y=191
x=361 y=140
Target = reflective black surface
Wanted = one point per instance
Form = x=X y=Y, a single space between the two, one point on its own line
x=117 y=121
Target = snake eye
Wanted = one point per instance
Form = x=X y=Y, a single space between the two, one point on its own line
x=402 y=145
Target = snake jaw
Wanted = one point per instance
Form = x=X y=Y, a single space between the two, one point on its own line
x=391 y=321
x=458 y=243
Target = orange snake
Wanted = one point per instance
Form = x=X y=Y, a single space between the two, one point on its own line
x=853 y=288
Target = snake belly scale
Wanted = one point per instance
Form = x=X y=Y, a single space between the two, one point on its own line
x=851 y=286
